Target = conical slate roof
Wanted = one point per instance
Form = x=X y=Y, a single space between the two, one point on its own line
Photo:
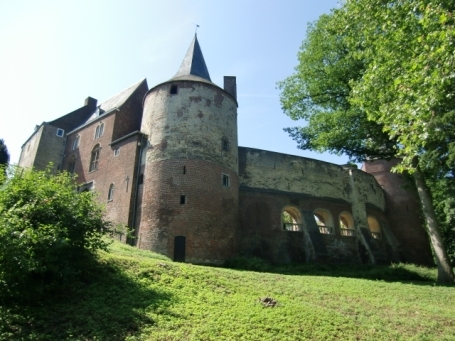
x=193 y=64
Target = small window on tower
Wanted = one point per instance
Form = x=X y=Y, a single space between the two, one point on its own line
x=184 y=169
x=173 y=89
x=225 y=180
x=225 y=144
x=60 y=132
x=182 y=200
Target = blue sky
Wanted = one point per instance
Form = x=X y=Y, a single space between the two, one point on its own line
x=54 y=54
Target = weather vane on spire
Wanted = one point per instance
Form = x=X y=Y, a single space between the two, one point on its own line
x=196 y=27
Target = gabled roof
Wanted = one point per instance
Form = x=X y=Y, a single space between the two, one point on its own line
x=75 y=118
x=116 y=101
x=193 y=64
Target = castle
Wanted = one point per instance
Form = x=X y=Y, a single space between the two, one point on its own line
x=165 y=161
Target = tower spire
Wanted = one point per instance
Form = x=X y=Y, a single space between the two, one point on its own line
x=193 y=63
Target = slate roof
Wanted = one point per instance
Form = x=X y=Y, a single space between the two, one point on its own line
x=75 y=118
x=193 y=64
x=116 y=101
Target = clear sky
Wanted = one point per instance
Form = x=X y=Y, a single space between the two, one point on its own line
x=54 y=54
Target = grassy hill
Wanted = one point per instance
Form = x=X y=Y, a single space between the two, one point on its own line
x=137 y=295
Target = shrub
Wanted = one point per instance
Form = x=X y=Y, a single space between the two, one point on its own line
x=47 y=230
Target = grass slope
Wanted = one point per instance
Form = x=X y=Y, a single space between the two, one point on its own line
x=138 y=295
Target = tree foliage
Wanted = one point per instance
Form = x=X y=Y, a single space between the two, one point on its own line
x=4 y=155
x=47 y=230
x=376 y=79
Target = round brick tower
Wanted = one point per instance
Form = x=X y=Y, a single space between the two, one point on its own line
x=191 y=186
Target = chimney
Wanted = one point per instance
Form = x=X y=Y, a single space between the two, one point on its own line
x=91 y=102
x=230 y=85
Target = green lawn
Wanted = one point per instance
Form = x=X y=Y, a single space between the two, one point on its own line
x=137 y=295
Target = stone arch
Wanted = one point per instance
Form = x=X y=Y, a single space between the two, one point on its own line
x=375 y=227
x=291 y=219
x=346 y=224
x=324 y=220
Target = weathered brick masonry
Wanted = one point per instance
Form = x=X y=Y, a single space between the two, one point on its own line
x=166 y=163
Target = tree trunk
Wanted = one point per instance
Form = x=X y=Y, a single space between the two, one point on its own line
x=445 y=272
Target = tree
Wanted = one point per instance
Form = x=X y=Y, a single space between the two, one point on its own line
x=4 y=155
x=47 y=229
x=402 y=91
x=319 y=92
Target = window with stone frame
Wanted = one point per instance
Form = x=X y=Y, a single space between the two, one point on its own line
x=99 y=131
x=94 y=158
x=225 y=180
x=76 y=142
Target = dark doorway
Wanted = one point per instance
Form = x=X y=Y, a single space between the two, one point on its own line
x=179 y=249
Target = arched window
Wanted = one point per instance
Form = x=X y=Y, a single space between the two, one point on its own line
x=99 y=130
x=94 y=158
x=347 y=224
x=375 y=228
x=291 y=219
x=76 y=142
x=110 y=195
x=72 y=164
x=324 y=220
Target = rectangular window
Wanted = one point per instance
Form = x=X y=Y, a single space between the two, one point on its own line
x=173 y=90
x=117 y=152
x=182 y=200
x=225 y=180
x=60 y=132
x=225 y=144
x=184 y=169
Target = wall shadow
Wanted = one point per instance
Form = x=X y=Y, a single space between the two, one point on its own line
x=404 y=273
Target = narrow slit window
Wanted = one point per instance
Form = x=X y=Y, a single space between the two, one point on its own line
x=184 y=169
x=182 y=200
x=110 y=195
x=173 y=90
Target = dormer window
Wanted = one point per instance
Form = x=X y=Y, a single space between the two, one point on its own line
x=98 y=111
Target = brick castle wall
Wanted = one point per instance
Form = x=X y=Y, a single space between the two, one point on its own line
x=403 y=212
x=207 y=217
